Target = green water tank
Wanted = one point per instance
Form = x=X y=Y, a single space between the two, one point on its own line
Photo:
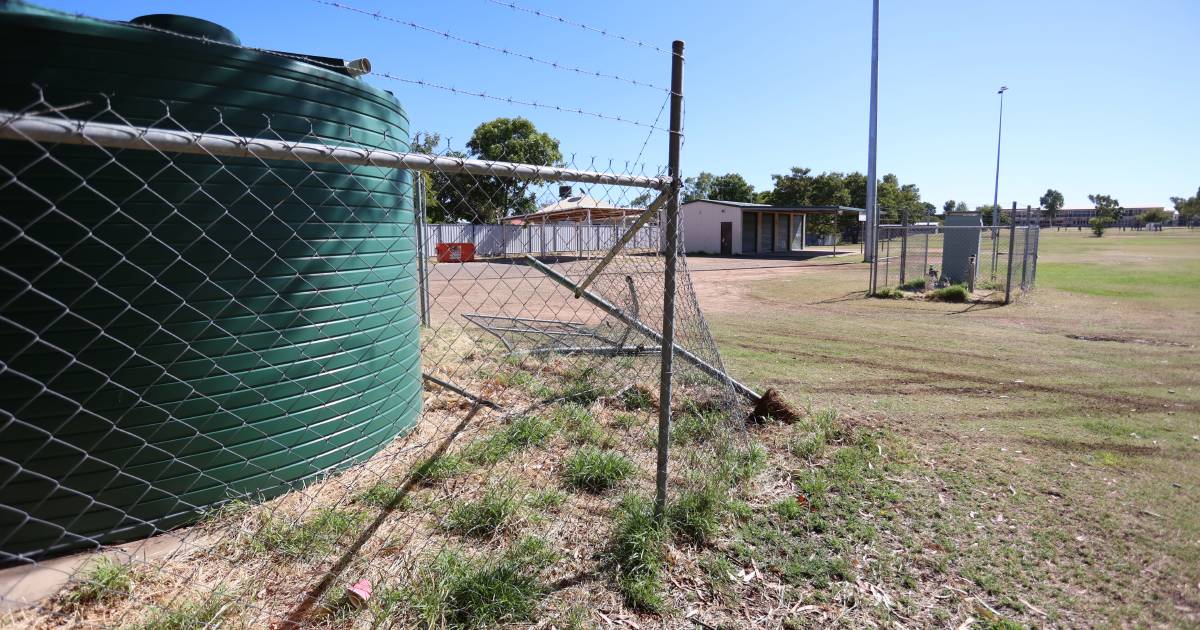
x=176 y=331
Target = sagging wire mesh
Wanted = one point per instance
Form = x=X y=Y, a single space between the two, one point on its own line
x=269 y=391
x=996 y=263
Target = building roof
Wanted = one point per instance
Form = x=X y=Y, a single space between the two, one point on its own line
x=766 y=207
x=574 y=208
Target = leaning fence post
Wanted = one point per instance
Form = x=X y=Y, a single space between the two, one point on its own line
x=675 y=141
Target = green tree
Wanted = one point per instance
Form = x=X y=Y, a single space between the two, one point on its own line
x=1154 y=215
x=486 y=198
x=727 y=187
x=1051 y=202
x=950 y=205
x=1108 y=210
x=963 y=207
x=732 y=187
x=1188 y=208
x=698 y=187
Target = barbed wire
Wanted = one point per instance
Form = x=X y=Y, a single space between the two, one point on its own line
x=420 y=82
x=504 y=51
x=601 y=31
x=654 y=126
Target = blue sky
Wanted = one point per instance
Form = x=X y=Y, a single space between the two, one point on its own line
x=1103 y=94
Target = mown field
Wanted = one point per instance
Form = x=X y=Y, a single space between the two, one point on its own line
x=1045 y=456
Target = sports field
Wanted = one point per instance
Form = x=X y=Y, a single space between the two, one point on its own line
x=1046 y=454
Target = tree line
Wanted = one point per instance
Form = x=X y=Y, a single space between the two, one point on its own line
x=487 y=199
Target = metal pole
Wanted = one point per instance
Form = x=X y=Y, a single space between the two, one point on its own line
x=996 y=188
x=1025 y=251
x=422 y=255
x=1012 y=241
x=903 y=245
x=872 y=211
x=30 y=127
x=672 y=251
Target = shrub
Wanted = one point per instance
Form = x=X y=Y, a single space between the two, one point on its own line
x=952 y=293
x=595 y=470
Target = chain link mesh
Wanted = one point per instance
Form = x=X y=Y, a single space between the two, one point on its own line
x=254 y=382
x=912 y=258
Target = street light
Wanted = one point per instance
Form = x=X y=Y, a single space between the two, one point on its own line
x=996 y=189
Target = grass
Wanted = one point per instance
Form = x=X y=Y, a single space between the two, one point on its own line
x=197 y=612
x=103 y=579
x=637 y=398
x=522 y=433
x=383 y=494
x=1018 y=455
x=698 y=512
x=952 y=293
x=581 y=426
x=489 y=515
x=436 y=469
x=913 y=285
x=636 y=554
x=461 y=591
x=888 y=293
x=307 y=539
x=594 y=470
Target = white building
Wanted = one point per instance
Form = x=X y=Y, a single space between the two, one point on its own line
x=738 y=228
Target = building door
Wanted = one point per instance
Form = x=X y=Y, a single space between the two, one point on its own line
x=749 y=232
x=727 y=238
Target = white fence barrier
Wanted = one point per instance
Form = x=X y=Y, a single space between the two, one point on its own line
x=538 y=239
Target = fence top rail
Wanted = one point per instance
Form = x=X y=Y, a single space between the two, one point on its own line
x=31 y=127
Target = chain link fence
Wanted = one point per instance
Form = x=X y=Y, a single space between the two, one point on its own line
x=247 y=383
x=995 y=263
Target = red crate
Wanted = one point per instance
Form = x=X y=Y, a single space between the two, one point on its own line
x=455 y=252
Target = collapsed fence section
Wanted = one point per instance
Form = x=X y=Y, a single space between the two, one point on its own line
x=992 y=262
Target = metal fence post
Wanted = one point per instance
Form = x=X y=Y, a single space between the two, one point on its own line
x=672 y=250
x=422 y=255
x=1025 y=252
x=1012 y=241
x=903 y=245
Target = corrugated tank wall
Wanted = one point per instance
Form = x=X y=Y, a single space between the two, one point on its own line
x=179 y=330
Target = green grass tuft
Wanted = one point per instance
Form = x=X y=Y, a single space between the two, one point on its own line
x=523 y=432
x=310 y=539
x=382 y=495
x=636 y=553
x=547 y=500
x=888 y=293
x=697 y=426
x=582 y=427
x=698 y=512
x=462 y=592
x=637 y=398
x=913 y=285
x=439 y=468
x=592 y=469
x=104 y=579
x=952 y=293
x=200 y=612
x=491 y=514
x=582 y=388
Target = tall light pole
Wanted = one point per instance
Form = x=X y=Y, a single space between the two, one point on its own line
x=872 y=209
x=999 y=134
x=996 y=189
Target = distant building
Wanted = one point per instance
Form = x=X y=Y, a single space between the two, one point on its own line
x=1079 y=217
x=735 y=228
x=580 y=209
